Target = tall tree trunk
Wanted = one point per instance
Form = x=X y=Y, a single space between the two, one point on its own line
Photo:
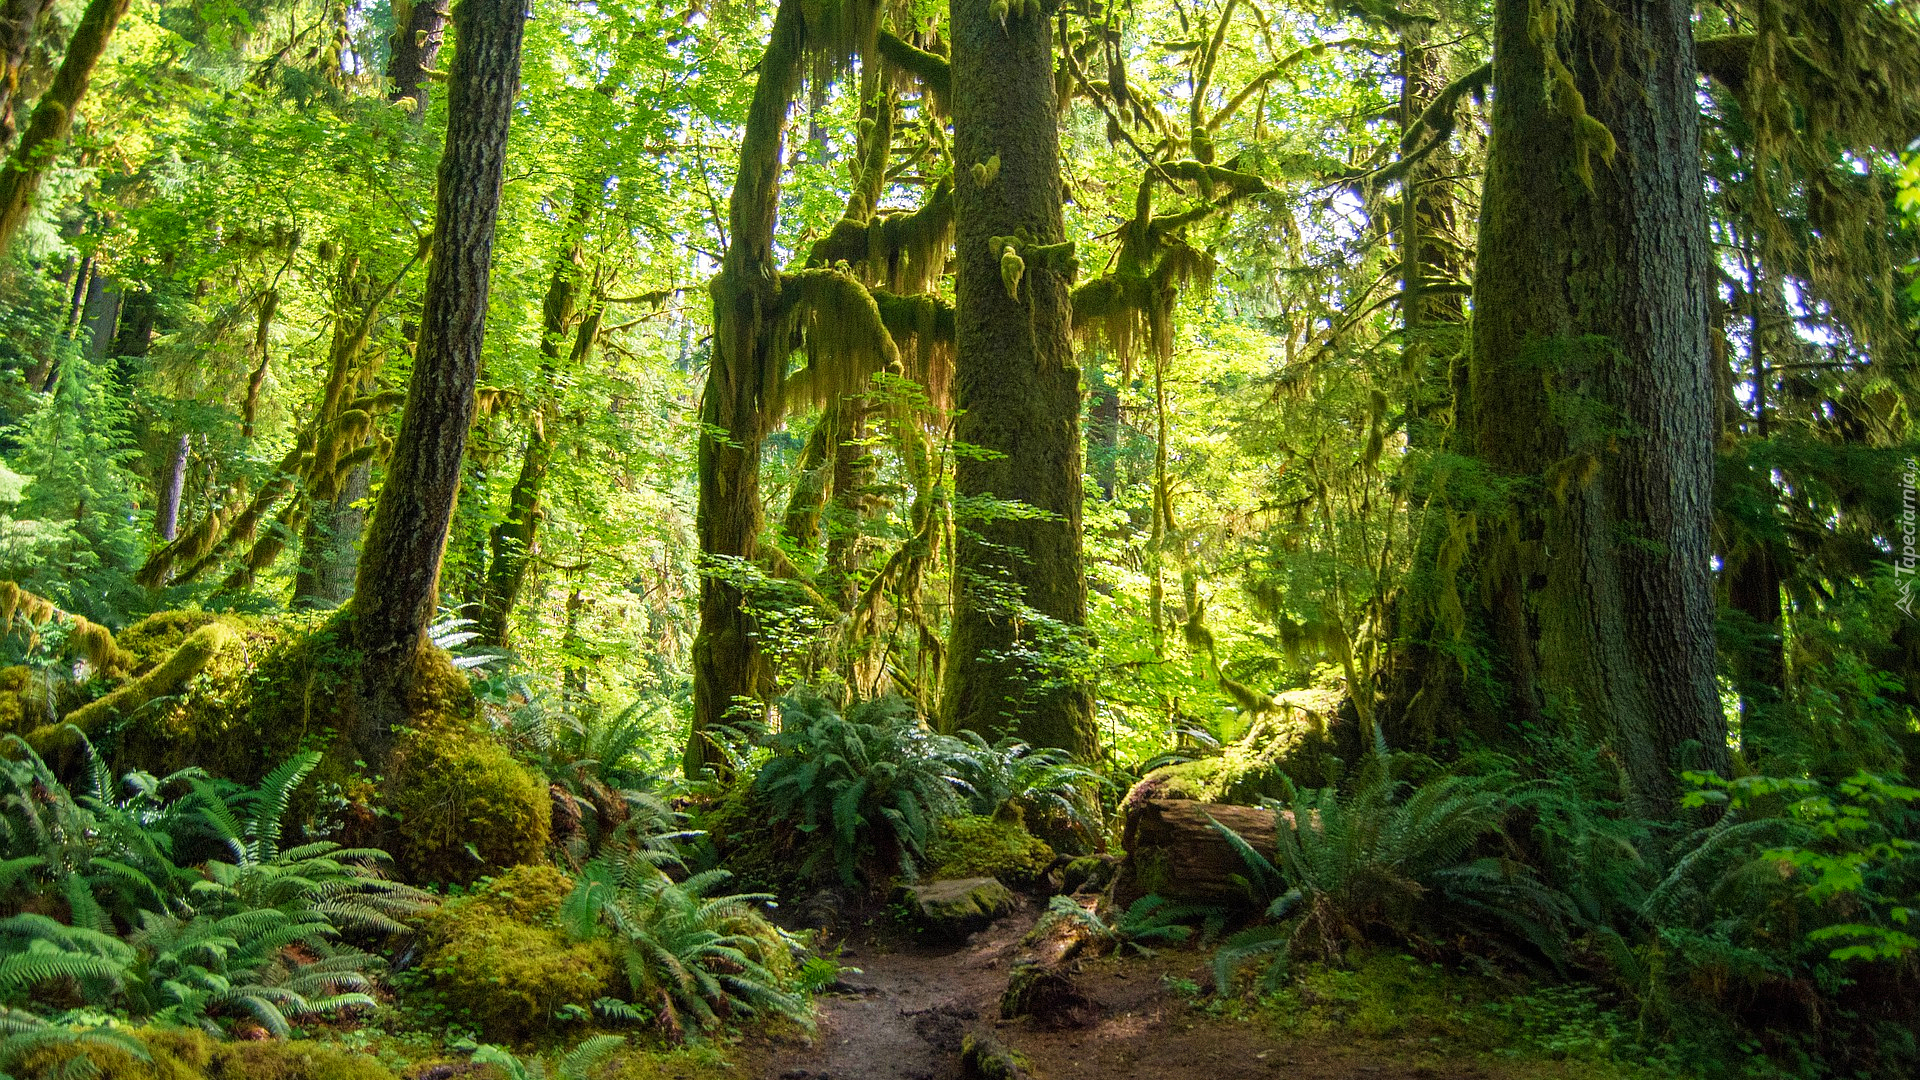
x=167 y=520
x=52 y=119
x=400 y=561
x=512 y=541
x=419 y=29
x=727 y=671
x=1017 y=389
x=1592 y=384
x=18 y=20
x=330 y=540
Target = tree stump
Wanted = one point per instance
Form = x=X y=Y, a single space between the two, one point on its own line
x=1174 y=850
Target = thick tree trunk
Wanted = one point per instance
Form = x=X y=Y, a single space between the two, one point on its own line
x=18 y=20
x=167 y=520
x=53 y=116
x=395 y=591
x=419 y=29
x=1021 y=589
x=727 y=671
x=1593 y=387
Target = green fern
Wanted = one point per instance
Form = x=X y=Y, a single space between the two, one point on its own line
x=1149 y=920
x=873 y=781
x=576 y=1064
x=690 y=957
x=1369 y=861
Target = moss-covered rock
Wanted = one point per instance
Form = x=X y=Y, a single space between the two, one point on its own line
x=186 y=1054
x=999 y=847
x=499 y=958
x=462 y=806
x=954 y=909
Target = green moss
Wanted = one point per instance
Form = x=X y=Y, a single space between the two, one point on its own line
x=1239 y=778
x=26 y=701
x=184 y=1054
x=688 y=1063
x=498 y=957
x=208 y=719
x=463 y=806
x=759 y=851
x=969 y=846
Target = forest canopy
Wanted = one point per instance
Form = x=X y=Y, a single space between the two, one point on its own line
x=1318 y=481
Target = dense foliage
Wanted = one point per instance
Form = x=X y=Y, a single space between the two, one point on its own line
x=1353 y=410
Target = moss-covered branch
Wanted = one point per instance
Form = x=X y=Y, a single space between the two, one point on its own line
x=188 y=660
x=931 y=69
x=52 y=119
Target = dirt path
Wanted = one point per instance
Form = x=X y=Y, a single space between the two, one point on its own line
x=904 y=1015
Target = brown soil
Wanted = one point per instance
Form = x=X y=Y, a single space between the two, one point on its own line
x=904 y=1015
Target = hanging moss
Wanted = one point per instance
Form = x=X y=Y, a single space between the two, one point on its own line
x=923 y=327
x=839 y=326
x=930 y=68
x=904 y=251
x=499 y=958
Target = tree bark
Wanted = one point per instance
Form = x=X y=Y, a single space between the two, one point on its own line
x=399 y=572
x=52 y=118
x=727 y=671
x=419 y=29
x=1593 y=389
x=1020 y=585
x=1174 y=850
x=167 y=521
x=18 y=20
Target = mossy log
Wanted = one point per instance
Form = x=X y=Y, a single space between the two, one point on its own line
x=1174 y=850
x=983 y=1057
x=191 y=658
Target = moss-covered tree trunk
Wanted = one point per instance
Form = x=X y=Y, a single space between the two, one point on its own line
x=1591 y=383
x=18 y=20
x=1021 y=588
x=741 y=380
x=395 y=591
x=52 y=118
x=419 y=29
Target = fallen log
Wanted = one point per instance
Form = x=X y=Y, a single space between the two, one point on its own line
x=1173 y=850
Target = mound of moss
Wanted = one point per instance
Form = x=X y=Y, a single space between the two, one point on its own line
x=997 y=847
x=462 y=806
x=499 y=960
x=187 y=1054
x=190 y=700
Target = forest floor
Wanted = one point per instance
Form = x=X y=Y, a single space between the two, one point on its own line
x=904 y=1014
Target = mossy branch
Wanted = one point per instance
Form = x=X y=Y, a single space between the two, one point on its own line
x=933 y=71
x=190 y=659
x=838 y=323
x=52 y=120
